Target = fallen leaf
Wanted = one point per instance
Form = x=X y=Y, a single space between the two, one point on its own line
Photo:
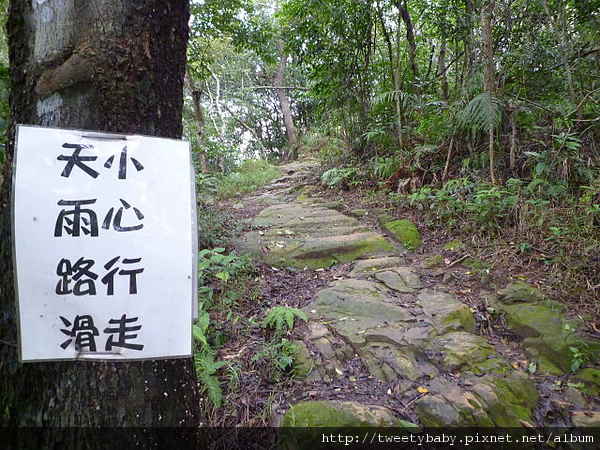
x=422 y=390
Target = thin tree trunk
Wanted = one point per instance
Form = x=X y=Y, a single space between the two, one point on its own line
x=512 y=110
x=216 y=101
x=395 y=76
x=410 y=38
x=468 y=44
x=110 y=66
x=488 y=55
x=286 y=109
x=560 y=32
x=196 y=92
x=442 y=72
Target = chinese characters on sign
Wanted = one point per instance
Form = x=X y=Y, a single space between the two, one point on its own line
x=104 y=245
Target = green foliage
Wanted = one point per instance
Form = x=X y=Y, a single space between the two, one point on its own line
x=281 y=318
x=474 y=118
x=278 y=356
x=385 y=166
x=277 y=353
x=216 y=270
x=216 y=267
x=466 y=203
x=249 y=176
x=215 y=227
x=577 y=360
x=340 y=177
x=206 y=187
x=204 y=360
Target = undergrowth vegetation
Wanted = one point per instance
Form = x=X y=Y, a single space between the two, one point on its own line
x=247 y=177
x=228 y=288
x=546 y=207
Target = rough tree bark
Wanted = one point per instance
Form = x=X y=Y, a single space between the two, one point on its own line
x=196 y=91
x=113 y=66
x=286 y=109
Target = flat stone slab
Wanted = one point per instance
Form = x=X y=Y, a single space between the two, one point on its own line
x=400 y=279
x=368 y=267
x=310 y=236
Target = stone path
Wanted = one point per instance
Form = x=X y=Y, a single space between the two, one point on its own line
x=419 y=336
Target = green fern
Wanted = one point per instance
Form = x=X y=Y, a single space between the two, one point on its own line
x=281 y=318
x=206 y=369
x=204 y=360
x=474 y=117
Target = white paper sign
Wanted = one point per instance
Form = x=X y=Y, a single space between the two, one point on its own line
x=104 y=245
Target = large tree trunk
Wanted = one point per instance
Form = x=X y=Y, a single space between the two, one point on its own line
x=111 y=66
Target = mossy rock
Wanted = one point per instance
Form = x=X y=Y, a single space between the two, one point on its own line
x=405 y=232
x=336 y=414
x=591 y=378
x=448 y=313
x=304 y=365
x=520 y=292
x=305 y=424
x=475 y=265
x=364 y=268
x=454 y=245
x=462 y=351
x=546 y=334
x=517 y=395
x=382 y=219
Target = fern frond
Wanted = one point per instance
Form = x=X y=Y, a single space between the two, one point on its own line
x=281 y=318
x=474 y=117
x=210 y=384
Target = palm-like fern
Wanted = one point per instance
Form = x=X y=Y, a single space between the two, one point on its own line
x=474 y=118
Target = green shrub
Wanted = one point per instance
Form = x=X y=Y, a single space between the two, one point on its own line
x=341 y=177
x=249 y=176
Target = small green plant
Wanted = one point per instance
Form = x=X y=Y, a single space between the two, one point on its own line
x=215 y=265
x=281 y=318
x=385 y=167
x=524 y=247
x=206 y=187
x=278 y=355
x=577 y=359
x=338 y=177
x=204 y=360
